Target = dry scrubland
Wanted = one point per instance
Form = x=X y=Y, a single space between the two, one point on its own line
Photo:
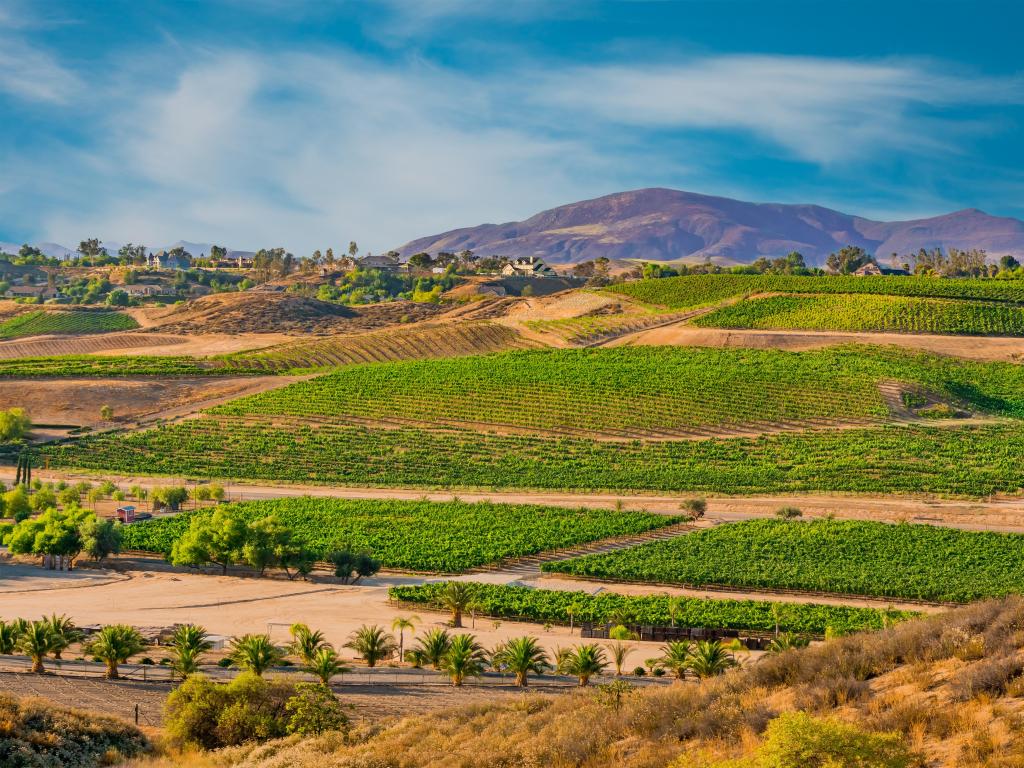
x=945 y=690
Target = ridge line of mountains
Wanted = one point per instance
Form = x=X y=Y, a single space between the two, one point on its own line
x=668 y=225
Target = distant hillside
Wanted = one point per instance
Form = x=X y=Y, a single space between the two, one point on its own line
x=668 y=225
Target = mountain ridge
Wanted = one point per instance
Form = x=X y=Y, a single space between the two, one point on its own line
x=661 y=224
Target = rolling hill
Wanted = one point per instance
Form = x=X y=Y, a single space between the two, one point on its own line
x=666 y=225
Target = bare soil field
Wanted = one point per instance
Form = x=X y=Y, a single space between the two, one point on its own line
x=78 y=401
x=109 y=343
x=267 y=312
x=681 y=334
x=117 y=698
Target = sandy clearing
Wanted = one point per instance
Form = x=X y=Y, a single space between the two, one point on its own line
x=232 y=605
x=78 y=401
x=681 y=334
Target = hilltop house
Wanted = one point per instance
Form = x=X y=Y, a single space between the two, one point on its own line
x=388 y=261
x=529 y=266
x=165 y=260
x=873 y=269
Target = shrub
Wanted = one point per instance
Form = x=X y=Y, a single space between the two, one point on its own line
x=798 y=740
x=314 y=709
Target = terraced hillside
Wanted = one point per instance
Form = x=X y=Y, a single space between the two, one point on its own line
x=59 y=347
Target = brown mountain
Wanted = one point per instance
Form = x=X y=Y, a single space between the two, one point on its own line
x=666 y=225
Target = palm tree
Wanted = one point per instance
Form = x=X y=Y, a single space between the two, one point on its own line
x=785 y=642
x=676 y=657
x=620 y=651
x=431 y=647
x=305 y=642
x=710 y=658
x=188 y=643
x=457 y=597
x=465 y=658
x=255 y=653
x=9 y=637
x=561 y=658
x=36 y=641
x=114 y=644
x=675 y=609
x=372 y=644
x=64 y=633
x=402 y=623
x=325 y=664
x=585 y=661
x=521 y=656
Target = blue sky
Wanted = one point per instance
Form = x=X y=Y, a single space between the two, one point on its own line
x=306 y=124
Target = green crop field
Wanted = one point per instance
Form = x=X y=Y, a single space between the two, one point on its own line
x=41 y=322
x=445 y=537
x=543 y=605
x=848 y=557
x=852 y=312
x=112 y=366
x=968 y=461
x=693 y=291
x=638 y=391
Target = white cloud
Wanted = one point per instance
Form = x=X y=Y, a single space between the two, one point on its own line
x=32 y=74
x=822 y=110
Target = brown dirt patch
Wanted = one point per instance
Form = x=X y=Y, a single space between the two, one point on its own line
x=265 y=312
x=78 y=401
x=111 y=343
x=683 y=335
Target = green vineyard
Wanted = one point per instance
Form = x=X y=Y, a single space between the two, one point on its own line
x=103 y=366
x=870 y=313
x=848 y=557
x=544 y=605
x=970 y=461
x=446 y=537
x=639 y=391
x=42 y=322
x=693 y=291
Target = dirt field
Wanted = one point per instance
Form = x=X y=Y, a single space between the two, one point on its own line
x=971 y=347
x=78 y=401
x=110 y=343
x=200 y=345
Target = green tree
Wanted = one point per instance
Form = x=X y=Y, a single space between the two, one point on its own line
x=35 y=640
x=584 y=661
x=465 y=658
x=523 y=656
x=325 y=664
x=43 y=499
x=114 y=644
x=17 y=504
x=172 y=498
x=266 y=539
x=372 y=644
x=431 y=647
x=676 y=657
x=315 y=710
x=14 y=424
x=305 y=642
x=218 y=538
x=710 y=658
x=9 y=632
x=100 y=537
x=255 y=653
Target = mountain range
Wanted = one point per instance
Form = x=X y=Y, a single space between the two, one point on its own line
x=670 y=225
x=56 y=250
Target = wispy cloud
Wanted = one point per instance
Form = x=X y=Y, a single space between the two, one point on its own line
x=821 y=110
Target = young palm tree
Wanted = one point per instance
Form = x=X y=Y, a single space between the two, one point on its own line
x=114 y=644
x=372 y=644
x=402 y=623
x=561 y=657
x=431 y=647
x=255 y=653
x=36 y=642
x=522 y=656
x=325 y=664
x=710 y=658
x=465 y=658
x=585 y=661
x=64 y=633
x=620 y=651
x=676 y=657
x=9 y=637
x=457 y=597
x=188 y=643
x=786 y=641
x=305 y=642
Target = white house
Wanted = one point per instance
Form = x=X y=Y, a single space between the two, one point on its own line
x=530 y=266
